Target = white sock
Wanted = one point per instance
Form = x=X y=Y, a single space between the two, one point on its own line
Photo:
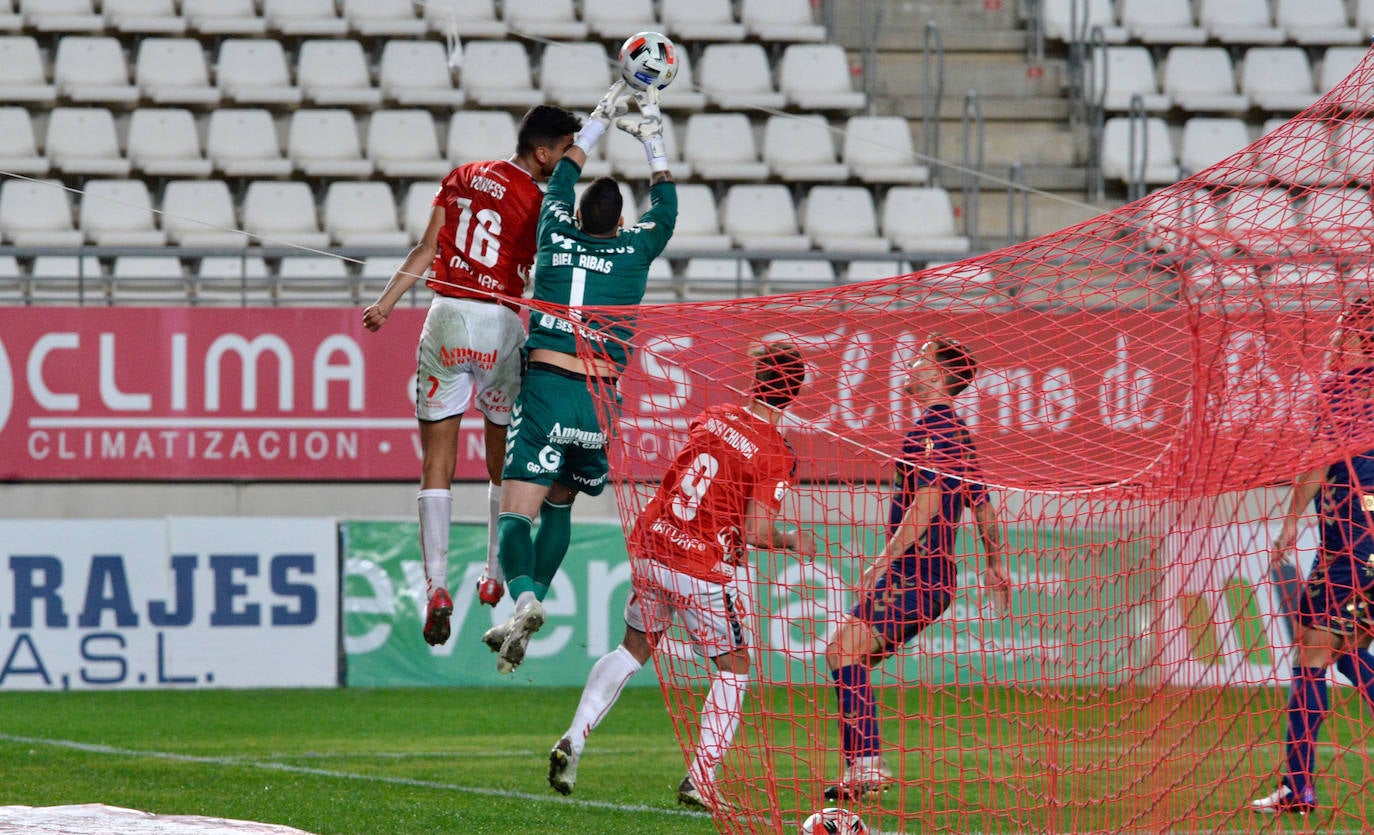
x=604 y=683
x=720 y=716
x=493 y=535
x=436 y=511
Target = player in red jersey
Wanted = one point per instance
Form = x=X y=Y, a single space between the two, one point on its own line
x=478 y=246
x=722 y=492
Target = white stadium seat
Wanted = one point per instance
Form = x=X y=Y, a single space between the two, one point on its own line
x=619 y=19
x=1124 y=72
x=575 y=75
x=36 y=213
x=625 y=154
x=700 y=20
x=234 y=281
x=404 y=144
x=879 y=150
x=843 y=219
x=67 y=279
x=1258 y=218
x=383 y=18
x=82 y=140
x=761 y=217
x=816 y=77
x=150 y=17
x=254 y=71
x=921 y=220
x=1201 y=78
x=497 y=74
x=698 y=220
x=334 y=73
x=1059 y=23
x=1153 y=157
x=721 y=146
x=802 y=148
x=1239 y=21
x=1364 y=19
x=164 y=143
x=789 y=275
x=419 y=204
x=19 y=145
x=22 y=78
x=780 y=20
x=1161 y=22
x=416 y=74
x=1354 y=141
x=1315 y=21
x=200 y=213
x=92 y=69
x=303 y=17
x=1277 y=78
x=1338 y=217
x=325 y=143
x=718 y=278
x=10 y=20
x=282 y=213
x=306 y=280
x=475 y=135
x=1339 y=61
x=243 y=143
x=685 y=94
x=737 y=76
x=174 y=71
x=61 y=15
x=149 y=279
x=362 y=214
x=119 y=213
x=1208 y=140
x=1304 y=152
x=223 y=17
x=870 y=269
x=469 y=18
x=543 y=19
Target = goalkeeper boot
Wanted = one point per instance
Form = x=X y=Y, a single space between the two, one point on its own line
x=489 y=591
x=527 y=620
x=866 y=778
x=496 y=636
x=437 y=613
x=1284 y=801
x=563 y=767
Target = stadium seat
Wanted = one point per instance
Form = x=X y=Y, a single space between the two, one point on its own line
x=1261 y=220
x=1315 y=21
x=1338 y=218
x=243 y=143
x=118 y=213
x=164 y=143
x=597 y=165
x=1239 y=21
x=325 y=143
x=223 y=17
x=61 y=15
x=36 y=213
x=1208 y=140
x=1277 y=78
x=543 y=19
x=254 y=71
x=1364 y=20
x=1304 y=152
x=1161 y=22
x=315 y=280
x=662 y=287
x=143 y=17
x=1354 y=143
x=816 y=77
x=362 y=214
x=469 y=18
x=738 y=77
x=843 y=219
x=720 y=146
x=311 y=18
x=22 y=78
x=475 y=135
x=921 y=220
x=82 y=140
x=1150 y=156
x=334 y=73
x=761 y=217
x=18 y=144
x=14 y=283
x=698 y=220
x=1124 y=72
x=200 y=213
x=705 y=278
x=92 y=69
x=802 y=149
x=700 y=20
x=575 y=75
x=618 y=19
x=10 y=20
x=416 y=74
x=780 y=20
x=419 y=204
x=871 y=269
x=174 y=71
x=149 y=280
x=1058 y=23
x=233 y=281
x=383 y=19
x=1201 y=78
x=497 y=74
x=790 y=275
x=282 y=213
x=685 y=94
x=1339 y=61
x=879 y=150
x=404 y=144
x=67 y=280
x=625 y=154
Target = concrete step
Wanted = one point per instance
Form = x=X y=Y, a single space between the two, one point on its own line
x=901 y=24
x=1049 y=212
x=991 y=74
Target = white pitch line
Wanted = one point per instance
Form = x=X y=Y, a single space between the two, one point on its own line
x=93 y=748
x=415 y=755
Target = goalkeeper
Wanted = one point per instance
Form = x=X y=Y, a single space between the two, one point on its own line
x=556 y=447
x=913 y=581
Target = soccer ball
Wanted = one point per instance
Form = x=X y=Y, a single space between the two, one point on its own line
x=833 y=820
x=648 y=60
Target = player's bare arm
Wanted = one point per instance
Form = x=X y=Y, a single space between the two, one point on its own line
x=1305 y=488
x=411 y=270
x=995 y=575
x=762 y=531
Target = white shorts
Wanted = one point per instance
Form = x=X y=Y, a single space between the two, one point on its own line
x=468 y=348
x=710 y=611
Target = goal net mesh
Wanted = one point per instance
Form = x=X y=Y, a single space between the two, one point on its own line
x=1149 y=384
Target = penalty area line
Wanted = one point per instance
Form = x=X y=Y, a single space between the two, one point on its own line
x=96 y=748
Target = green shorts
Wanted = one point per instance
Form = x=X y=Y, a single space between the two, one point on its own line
x=554 y=434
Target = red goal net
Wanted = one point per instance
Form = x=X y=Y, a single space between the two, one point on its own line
x=1149 y=383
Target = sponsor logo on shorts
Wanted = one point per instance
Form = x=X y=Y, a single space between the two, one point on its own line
x=589 y=482
x=550 y=460
x=560 y=434
x=450 y=357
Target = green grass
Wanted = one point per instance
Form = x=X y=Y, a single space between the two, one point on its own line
x=374 y=762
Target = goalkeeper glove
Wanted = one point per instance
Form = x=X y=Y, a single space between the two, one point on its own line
x=647 y=127
x=612 y=105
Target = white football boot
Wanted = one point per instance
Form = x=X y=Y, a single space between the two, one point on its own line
x=527 y=620
x=864 y=779
x=563 y=766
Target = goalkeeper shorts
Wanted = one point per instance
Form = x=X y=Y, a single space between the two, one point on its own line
x=554 y=433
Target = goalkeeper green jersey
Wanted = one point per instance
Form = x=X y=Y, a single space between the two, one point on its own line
x=576 y=269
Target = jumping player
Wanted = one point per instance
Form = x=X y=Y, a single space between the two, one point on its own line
x=721 y=493
x=914 y=579
x=477 y=247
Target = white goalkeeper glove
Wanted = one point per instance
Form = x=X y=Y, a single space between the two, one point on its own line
x=614 y=104
x=647 y=127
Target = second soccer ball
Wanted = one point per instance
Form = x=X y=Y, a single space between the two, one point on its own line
x=648 y=60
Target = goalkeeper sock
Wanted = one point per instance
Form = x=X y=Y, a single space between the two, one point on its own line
x=436 y=509
x=1307 y=706
x=1358 y=666
x=516 y=553
x=604 y=683
x=551 y=543
x=493 y=539
x=858 y=712
x=720 y=715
